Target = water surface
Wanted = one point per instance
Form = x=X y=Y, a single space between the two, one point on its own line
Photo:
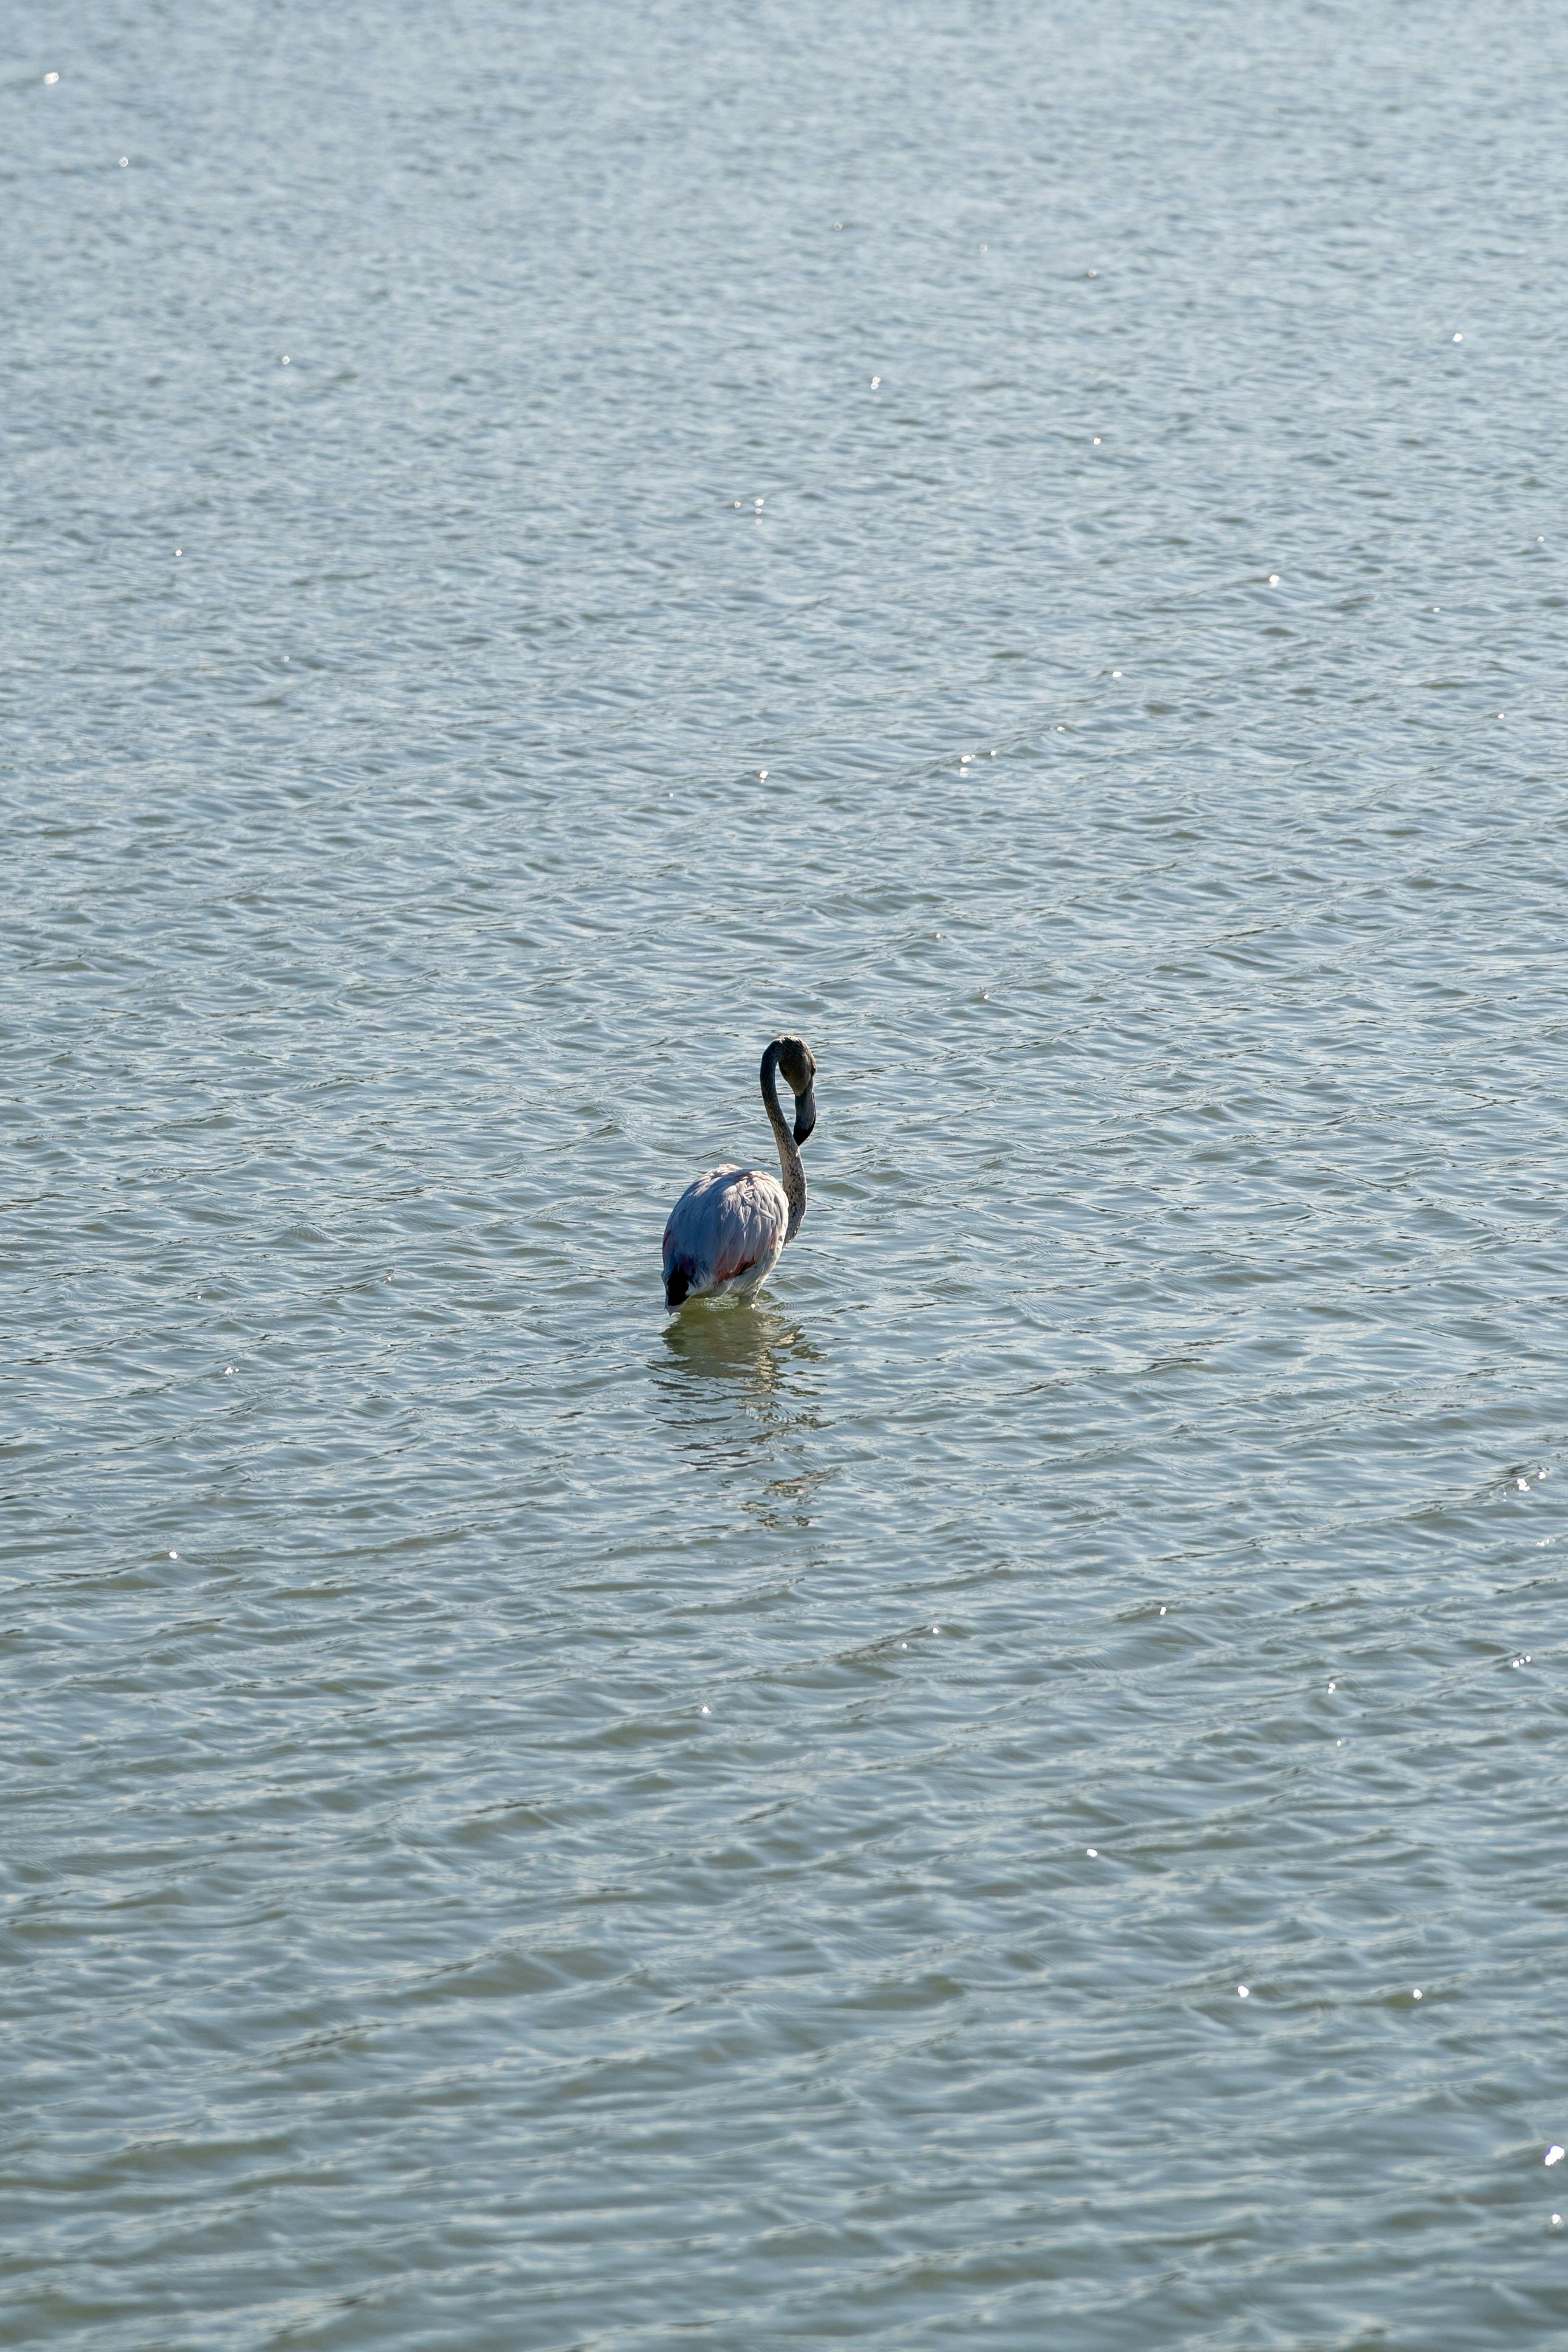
x=543 y=546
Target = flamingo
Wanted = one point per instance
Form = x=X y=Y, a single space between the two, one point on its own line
x=728 y=1227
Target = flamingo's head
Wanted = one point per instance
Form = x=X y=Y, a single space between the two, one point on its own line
x=798 y=1070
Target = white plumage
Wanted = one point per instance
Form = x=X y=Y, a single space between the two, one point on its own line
x=727 y=1229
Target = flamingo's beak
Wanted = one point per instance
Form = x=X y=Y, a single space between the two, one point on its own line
x=804 y=1114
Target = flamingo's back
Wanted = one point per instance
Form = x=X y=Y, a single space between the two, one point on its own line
x=724 y=1234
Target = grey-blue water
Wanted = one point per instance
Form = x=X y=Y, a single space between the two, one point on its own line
x=542 y=546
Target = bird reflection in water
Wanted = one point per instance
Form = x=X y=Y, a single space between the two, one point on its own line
x=736 y=1386
x=753 y=1346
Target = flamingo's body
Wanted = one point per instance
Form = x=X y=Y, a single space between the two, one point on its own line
x=724 y=1232
x=727 y=1229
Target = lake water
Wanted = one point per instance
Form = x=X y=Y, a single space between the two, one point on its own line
x=1012 y=1793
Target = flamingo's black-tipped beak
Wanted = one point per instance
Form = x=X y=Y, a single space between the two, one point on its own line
x=804 y=1114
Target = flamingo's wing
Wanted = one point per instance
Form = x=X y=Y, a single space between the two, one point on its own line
x=729 y=1225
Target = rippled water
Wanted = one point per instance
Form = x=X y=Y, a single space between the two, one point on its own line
x=545 y=546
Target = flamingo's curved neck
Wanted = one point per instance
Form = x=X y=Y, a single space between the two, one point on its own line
x=789 y=1153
